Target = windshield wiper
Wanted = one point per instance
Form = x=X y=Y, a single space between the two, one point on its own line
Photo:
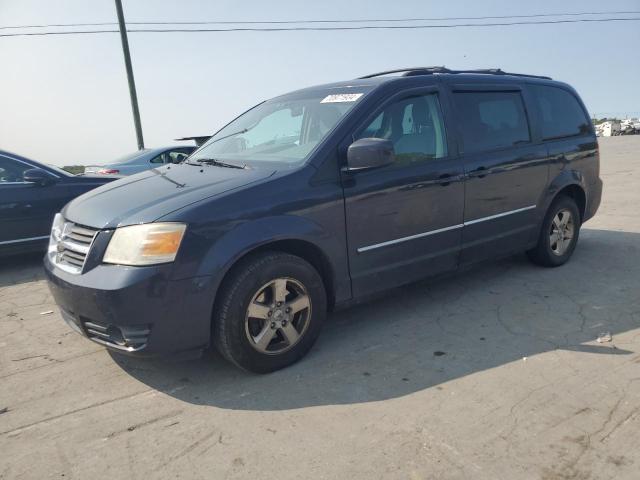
x=217 y=163
x=213 y=161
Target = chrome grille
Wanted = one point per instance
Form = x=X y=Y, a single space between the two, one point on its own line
x=73 y=247
x=82 y=235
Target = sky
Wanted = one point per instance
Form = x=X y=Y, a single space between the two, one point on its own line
x=64 y=100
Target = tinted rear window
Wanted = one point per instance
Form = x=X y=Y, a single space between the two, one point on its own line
x=561 y=114
x=491 y=120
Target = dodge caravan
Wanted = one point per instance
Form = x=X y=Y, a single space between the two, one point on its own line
x=318 y=198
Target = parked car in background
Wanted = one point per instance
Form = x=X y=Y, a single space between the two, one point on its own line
x=199 y=140
x=30 y=195
x=142 y=160
x=320 y=198
x=630 y=126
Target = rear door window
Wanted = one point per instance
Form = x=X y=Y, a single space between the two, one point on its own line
x=560 y=112
x=491 y=120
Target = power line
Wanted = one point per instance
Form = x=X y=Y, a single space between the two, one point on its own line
x=319 y=29
x=365 y=20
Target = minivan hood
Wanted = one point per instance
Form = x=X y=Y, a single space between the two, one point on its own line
x=149 y=195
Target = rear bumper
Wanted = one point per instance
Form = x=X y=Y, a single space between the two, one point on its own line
x=135 y=310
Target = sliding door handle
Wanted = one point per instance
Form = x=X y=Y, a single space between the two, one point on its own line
x=479 y=172
x=447 y=178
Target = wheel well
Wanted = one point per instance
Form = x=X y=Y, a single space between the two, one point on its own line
x=305 y=250
x=577 y=194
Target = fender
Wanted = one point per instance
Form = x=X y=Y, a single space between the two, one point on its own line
x=253 y=234
x=563 y=179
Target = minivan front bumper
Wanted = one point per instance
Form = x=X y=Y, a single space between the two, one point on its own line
x=135 y=310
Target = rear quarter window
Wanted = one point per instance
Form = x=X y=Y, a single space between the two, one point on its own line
x=560 y=112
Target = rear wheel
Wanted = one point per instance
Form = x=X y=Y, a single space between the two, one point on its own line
x=559 y=233
x=270 y=312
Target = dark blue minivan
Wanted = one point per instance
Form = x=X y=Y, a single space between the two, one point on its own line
x=321 y=197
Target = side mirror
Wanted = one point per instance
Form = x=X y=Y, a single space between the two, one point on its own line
x=38 y=176
x=369 y=153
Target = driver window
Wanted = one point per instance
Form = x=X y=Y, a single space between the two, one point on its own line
x=177 y=156
x=415 y=127
x=158 y=159
x=11 y=171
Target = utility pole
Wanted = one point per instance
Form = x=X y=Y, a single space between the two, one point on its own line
x=132 y=83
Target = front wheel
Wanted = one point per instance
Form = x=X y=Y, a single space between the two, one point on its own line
x=270 y=312
x=559 y=234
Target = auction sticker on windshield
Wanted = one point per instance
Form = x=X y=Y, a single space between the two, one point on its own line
x=341 y=97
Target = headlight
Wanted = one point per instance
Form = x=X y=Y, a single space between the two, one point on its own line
x=146 y=244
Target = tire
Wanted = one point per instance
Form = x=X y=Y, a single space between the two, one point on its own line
x=246 y=336
x=546 y=252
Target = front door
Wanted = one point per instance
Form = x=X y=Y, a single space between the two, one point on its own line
x=26 y=209
x=404 y=220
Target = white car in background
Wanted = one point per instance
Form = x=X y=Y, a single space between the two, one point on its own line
x=142 y=160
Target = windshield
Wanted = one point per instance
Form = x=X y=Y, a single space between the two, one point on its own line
x=283 y=130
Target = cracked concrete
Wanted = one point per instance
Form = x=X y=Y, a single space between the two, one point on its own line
x=491 y=374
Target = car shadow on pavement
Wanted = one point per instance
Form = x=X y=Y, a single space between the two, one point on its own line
x=23 y=268
x=434 y=331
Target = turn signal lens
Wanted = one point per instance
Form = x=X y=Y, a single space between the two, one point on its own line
x=162 y=243
x=147 y=244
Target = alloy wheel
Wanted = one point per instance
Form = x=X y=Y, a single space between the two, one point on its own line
x=278 y=316
x=561 y=232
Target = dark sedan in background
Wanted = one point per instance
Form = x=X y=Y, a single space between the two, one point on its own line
x=30 y=195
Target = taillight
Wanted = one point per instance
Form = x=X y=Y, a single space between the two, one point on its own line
x=108 y=171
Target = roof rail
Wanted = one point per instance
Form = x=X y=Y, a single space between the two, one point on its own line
x=406 y=70
x=411 y=72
